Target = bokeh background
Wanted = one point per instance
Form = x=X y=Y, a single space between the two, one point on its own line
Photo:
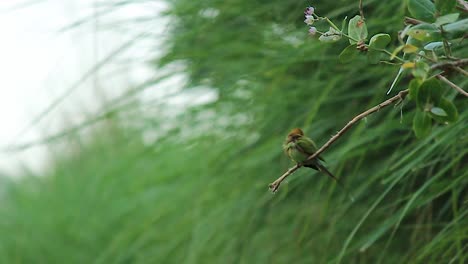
x=154 y=129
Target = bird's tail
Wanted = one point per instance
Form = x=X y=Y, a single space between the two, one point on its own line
x=326 y=171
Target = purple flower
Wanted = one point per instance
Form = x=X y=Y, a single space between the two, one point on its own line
x=309 y=20
x=309 y=10
x=312 y=31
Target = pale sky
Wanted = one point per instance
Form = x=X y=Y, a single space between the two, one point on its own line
x=38 y=64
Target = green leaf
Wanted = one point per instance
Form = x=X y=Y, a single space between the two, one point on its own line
x=373 y=56
x=445 y=6
x=421 y=70
x=445 y=112
x=332 y=35
x=408 y=48
x=438 y=111
x=447 y=19
x=414 y=88
x=425 y=32
x=429 y=93
x=379 y=41
x=348 y=54
x=412 y=41
x=457 y=29
x=357 y=29
x=408 y=65
x=422 y=124
x=450 y=109
x=434 y=45
x=422 y=9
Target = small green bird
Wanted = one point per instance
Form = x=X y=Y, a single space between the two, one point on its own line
x=299 y=147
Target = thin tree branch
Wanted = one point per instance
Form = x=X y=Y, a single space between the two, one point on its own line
x=361 y=11
x=454 y=65
x=457 y=63
x=412 y=21
x=400 y=96
x=464 y=4
x=451 y=84
x=462 y=71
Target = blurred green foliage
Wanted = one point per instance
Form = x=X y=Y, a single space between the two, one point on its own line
x=198 y=194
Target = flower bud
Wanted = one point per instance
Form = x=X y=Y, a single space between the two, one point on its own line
x=309 y=20
x=309 y=10
x=312 y=31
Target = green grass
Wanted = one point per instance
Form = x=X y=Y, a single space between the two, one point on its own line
x=198 y=194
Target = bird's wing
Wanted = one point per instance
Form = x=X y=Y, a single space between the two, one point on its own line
x=286 y=147
x=307 y=146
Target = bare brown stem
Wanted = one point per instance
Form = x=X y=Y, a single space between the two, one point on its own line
x=456 y=63
x=464 y=4
x=412 y=21
x=462 y=71
x=400 y=96
x=361 y=10
x=451 y=84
